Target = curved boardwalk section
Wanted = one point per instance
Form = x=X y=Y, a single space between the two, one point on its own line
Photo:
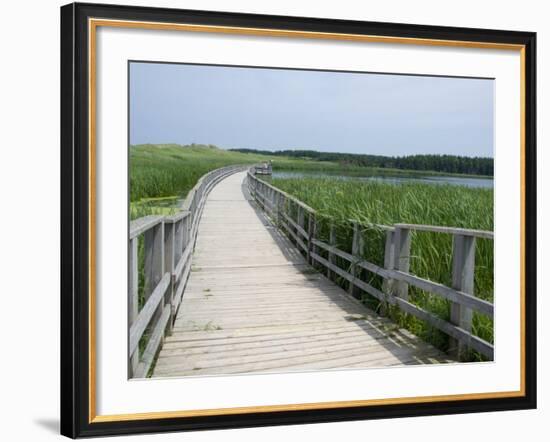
x=253 y=304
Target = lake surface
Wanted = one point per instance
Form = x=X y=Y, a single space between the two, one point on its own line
x=485 y=183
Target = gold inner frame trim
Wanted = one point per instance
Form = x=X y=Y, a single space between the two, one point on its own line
x=93 y=24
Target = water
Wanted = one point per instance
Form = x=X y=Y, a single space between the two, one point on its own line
x=484 y=183
x=156 y=206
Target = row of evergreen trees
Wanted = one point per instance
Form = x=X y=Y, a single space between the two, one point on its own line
x=437 y=163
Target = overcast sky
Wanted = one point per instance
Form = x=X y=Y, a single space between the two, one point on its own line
x=277 y=109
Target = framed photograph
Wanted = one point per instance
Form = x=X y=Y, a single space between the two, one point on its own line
x=273 y=220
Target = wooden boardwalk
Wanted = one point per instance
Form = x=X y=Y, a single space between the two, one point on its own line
x=253 y=304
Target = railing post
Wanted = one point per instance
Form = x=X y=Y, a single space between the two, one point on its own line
x=169 y=264
x=186 y=232
x=154 y=262
x=261 y=195
x=300 y=222
x=331 y=256
x=191 y=217
x=311 y=231
x=178 y=239
x=357 y=250
x=401 y=262
x=389 y=258
x=274 y=199
x=133 y=307
x=464 y=252
x=271 y=201
x=277 y=218
x=251 y=185
x=286 y=211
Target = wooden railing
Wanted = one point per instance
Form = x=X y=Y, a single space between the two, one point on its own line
x=298 y=222
x=168 y=243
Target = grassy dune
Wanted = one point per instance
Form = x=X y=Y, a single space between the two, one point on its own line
x=416 y=203
x=162 y=170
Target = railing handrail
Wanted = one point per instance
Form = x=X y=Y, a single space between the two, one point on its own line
x=446 y=229
x=141 y=225
x=395 y=272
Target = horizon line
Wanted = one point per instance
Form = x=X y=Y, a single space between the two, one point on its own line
x=307 y=149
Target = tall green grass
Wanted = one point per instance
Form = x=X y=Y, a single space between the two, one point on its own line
x=372 y=202
x=161 y=174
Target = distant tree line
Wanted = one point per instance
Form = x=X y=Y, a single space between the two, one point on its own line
x=436 y=163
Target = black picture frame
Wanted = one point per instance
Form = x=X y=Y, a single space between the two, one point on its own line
x=75 y=221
